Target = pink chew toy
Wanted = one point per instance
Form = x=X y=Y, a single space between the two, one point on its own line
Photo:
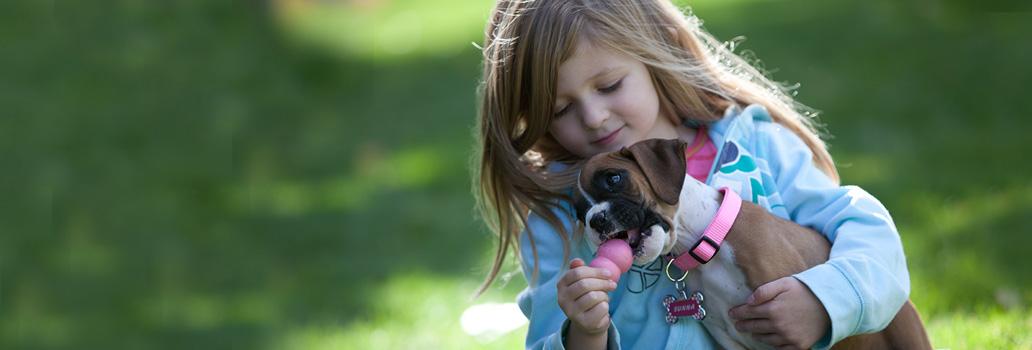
x=613 y=255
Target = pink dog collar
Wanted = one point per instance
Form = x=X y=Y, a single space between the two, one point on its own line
x=707 y=247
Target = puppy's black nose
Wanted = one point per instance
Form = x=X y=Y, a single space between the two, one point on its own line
x=598 y=221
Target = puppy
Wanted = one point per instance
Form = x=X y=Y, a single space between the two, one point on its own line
x=641 y=194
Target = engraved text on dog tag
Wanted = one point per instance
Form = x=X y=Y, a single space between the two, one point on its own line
x=684 y=307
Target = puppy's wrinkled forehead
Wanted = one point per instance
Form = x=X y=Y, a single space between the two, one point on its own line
x=652 y=169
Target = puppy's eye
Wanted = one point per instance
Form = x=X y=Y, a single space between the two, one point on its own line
x=614 y=180
x=611 y=180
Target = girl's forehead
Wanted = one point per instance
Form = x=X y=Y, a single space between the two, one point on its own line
x=590 y=62
x=587 y=51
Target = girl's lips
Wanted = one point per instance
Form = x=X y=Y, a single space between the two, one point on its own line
x=608 y=138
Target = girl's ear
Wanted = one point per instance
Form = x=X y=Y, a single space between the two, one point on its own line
x=663 y=163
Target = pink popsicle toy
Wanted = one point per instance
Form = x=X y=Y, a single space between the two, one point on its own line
x=613 y=255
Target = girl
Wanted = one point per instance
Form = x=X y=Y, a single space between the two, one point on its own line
x=567 y=79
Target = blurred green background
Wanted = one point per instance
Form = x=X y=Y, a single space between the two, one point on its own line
x=293 y=174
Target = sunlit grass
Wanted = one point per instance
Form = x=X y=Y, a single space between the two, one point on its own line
x=385 y=29
x=987 y=329
x=399 y=29
x=410 y=311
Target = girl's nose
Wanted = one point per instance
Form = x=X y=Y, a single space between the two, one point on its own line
x=594 y=115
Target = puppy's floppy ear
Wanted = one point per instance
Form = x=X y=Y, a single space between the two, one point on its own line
x=663 y=163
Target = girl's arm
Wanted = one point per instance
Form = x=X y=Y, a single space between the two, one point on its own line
x=539 y=302
x=865 y=281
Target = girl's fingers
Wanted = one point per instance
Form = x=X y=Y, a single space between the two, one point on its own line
x=584 y=288
x=587 y=285
x=582 y=272
x=756 y=326
x=768 y=291
x=598 y=316
x=746 y=311
x=592 y=284
x=591 y=299
x=575 y=263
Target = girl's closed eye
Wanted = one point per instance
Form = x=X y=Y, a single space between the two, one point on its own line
x=605 y=90
x=612 y=87
x=562 y=111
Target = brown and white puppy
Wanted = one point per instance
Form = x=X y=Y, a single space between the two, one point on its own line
x=642 y=194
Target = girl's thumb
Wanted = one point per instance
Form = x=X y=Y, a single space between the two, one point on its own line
x=575 y=263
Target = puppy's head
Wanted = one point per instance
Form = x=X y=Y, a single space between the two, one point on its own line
x=632 y=194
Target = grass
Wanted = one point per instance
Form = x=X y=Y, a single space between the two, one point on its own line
x=986 y=329
x=411 y=311
x=203 y=174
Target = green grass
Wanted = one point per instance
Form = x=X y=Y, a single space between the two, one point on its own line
x=205 y=174
x=409 y=311
x=986 y=329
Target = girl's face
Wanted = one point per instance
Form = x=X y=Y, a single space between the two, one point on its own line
x=605 y=101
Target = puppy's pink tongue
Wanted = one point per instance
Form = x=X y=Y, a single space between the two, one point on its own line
x=615 y=256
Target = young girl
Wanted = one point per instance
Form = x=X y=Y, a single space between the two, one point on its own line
x=567 y=79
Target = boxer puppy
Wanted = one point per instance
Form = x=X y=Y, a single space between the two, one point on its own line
x=641 y=194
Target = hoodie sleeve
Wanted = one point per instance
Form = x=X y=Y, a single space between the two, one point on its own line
x=539 y=301
x=865 y=281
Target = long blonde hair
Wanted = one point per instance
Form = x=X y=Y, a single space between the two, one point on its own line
x=696 y=77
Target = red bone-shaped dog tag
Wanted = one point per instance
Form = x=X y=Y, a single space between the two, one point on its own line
x=686 y=307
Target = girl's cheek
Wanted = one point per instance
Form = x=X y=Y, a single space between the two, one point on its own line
x=629 y=96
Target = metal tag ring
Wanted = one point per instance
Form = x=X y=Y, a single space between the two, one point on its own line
x=671 y=278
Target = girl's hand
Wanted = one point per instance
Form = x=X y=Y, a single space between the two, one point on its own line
x=784 y=314
x=583 y=296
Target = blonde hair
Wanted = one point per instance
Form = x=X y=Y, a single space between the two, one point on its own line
x=696 y=77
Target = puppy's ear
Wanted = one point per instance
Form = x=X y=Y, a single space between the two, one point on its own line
x=663 y=163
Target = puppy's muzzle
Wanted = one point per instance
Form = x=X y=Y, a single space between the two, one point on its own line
x=600 y=222
x=615 y=220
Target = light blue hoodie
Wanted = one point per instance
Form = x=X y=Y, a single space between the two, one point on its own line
x=862 y=285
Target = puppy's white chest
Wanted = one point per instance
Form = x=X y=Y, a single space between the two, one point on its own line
x=724 y=286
